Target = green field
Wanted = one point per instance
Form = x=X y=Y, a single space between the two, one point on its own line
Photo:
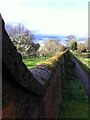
x=33 y=62
x=74 y=109
x=74 y=102
x=74 y=99
x=86 y=61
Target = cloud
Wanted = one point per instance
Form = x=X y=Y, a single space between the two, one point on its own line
x=45 y=18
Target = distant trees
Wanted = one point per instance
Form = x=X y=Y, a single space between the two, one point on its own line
x=81 y=47
x=17 y=30
x=70 y=37
x=72 y=44
x=51 y=47
x=22 y=39
x=26 y=47
x=87 y=43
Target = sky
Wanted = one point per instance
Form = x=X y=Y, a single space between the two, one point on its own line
x=66 y=17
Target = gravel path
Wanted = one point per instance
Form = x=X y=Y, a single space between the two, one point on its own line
x=83 y=76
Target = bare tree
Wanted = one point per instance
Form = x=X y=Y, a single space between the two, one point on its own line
x=22 y=39
x=50 y=48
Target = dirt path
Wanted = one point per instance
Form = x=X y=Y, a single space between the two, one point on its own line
x=83 y=76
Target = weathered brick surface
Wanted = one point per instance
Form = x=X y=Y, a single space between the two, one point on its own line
x=18 y=101
x=53 y=95
x=42 y=75
x=34 y=93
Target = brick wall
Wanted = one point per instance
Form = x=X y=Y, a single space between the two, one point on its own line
x=34 y=93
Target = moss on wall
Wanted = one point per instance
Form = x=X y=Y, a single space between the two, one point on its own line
x=53 y=61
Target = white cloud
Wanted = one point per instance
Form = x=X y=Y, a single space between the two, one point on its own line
x=44 y=18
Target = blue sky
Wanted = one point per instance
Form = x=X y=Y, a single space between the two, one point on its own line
x=48 y=16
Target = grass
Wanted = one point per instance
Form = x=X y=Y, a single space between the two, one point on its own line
x=85 y=61
x=74 y=99
x=33 y=62
x=75 y=102
x=74 y=109
x=50 y=62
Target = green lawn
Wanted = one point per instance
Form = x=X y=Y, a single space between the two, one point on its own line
x=33 y=62
x=74 y=99
x=86 y=61
x=74 y=109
